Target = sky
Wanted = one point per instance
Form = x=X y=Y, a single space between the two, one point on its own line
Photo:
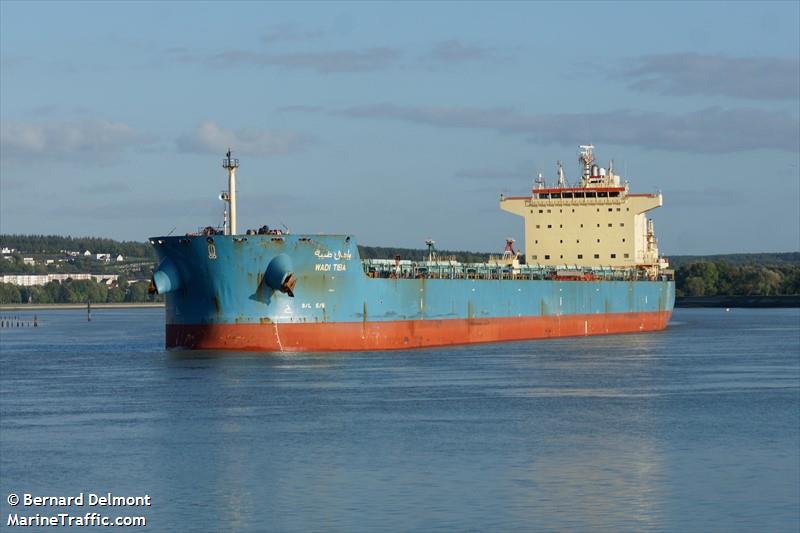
x=397 y=122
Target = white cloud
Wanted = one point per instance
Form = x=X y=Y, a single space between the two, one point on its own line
x=455 y=51
x=764 y=78
x=366 y=59
x=90 y=140
x=324 y=62
x=209 y=137
x=710 y=130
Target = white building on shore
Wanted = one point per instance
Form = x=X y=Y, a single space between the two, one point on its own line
x=27 y=280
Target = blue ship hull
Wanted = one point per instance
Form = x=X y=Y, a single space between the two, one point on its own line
x=311 y=292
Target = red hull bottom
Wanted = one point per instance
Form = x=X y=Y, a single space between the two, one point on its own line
x=396 y=335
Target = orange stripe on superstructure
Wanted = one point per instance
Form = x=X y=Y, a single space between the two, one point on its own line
x=551 y=191
x=395 y=335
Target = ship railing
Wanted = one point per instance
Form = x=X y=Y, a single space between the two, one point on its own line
x=377 y=268
x=615 y=200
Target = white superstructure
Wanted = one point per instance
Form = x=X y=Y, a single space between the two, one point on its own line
x=596 y=222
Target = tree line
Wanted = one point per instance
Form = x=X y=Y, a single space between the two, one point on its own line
x=77 y=292
x=53 y=244
x=721 y=278
x=766 y=274
x=412 y=254
x=765 y=259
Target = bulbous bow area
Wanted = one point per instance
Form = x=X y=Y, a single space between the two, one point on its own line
x=166 y=278
x=279 y=275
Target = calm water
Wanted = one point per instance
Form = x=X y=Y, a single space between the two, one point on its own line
x=692 y=429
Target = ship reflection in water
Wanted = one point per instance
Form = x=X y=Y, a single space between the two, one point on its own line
x=689 y=429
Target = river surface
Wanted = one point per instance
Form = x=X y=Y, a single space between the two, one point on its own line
x=696 y=428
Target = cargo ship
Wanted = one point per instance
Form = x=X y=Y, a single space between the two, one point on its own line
x=590 y=266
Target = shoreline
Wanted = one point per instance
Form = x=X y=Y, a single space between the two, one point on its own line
x=49 y=307
x=763 y=302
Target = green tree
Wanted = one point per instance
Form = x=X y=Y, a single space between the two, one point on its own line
x=87 y=290
x=707 y=272
x=115 y=295
x=9 y=293
x=791 y=282
x=36 y=295
x=137 y=292
x=53 y=291
x=695 y=286
x=66 y=294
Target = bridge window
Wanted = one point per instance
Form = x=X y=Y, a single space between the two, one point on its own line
x=549 y=226
x=613 y=256
x=534 y=257
x=580 y=256
x=547 y=257
x=609 y=224
x=627 y=256
x=537 y=226
x=598 y=240
x=539 y=211
x=597 y=256
x=621 y=224
x=610 y=209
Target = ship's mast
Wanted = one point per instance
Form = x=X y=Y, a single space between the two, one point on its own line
x=586 y=157
x=231 y=165
x=431 y=250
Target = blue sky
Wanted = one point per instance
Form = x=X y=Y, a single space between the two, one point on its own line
x=397 y=122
